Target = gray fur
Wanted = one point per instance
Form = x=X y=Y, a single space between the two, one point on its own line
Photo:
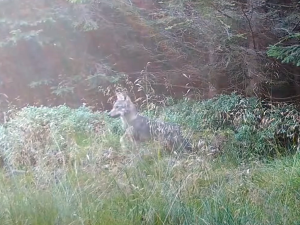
x=140 y=128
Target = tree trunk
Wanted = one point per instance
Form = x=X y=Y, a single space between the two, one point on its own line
x=254 y=19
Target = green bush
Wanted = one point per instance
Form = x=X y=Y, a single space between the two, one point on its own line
x=43 y=134
x=260 y=129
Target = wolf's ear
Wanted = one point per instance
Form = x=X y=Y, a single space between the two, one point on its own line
x=127 y=98
x=121 y=96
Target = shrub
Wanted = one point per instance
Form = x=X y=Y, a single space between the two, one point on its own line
x=260 y=129
x=43 y=135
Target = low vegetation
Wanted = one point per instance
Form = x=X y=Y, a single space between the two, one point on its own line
x=65 y=166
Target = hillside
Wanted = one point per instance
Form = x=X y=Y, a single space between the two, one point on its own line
x=65 y=166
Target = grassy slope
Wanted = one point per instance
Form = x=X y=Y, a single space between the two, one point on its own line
x=97 y=183
x=159 y=191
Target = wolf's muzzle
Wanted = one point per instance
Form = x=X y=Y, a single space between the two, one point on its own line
x=114 y=115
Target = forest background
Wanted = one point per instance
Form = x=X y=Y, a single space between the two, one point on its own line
x=80 y=51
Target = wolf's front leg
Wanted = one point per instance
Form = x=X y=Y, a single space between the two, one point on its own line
x=124 y=142
x=127 y=140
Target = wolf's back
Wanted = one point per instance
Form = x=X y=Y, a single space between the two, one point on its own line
x=171 y=134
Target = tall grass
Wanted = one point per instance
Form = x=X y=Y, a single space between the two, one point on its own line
x=84 y=177
x=164 y=191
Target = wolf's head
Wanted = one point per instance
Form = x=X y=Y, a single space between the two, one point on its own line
x=123 y=107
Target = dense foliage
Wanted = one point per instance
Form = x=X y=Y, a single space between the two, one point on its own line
x=253 y=128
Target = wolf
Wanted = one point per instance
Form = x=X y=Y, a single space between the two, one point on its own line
x=139 y=128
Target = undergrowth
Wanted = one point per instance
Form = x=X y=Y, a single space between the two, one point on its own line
x=65 y=166
x=257 y=129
